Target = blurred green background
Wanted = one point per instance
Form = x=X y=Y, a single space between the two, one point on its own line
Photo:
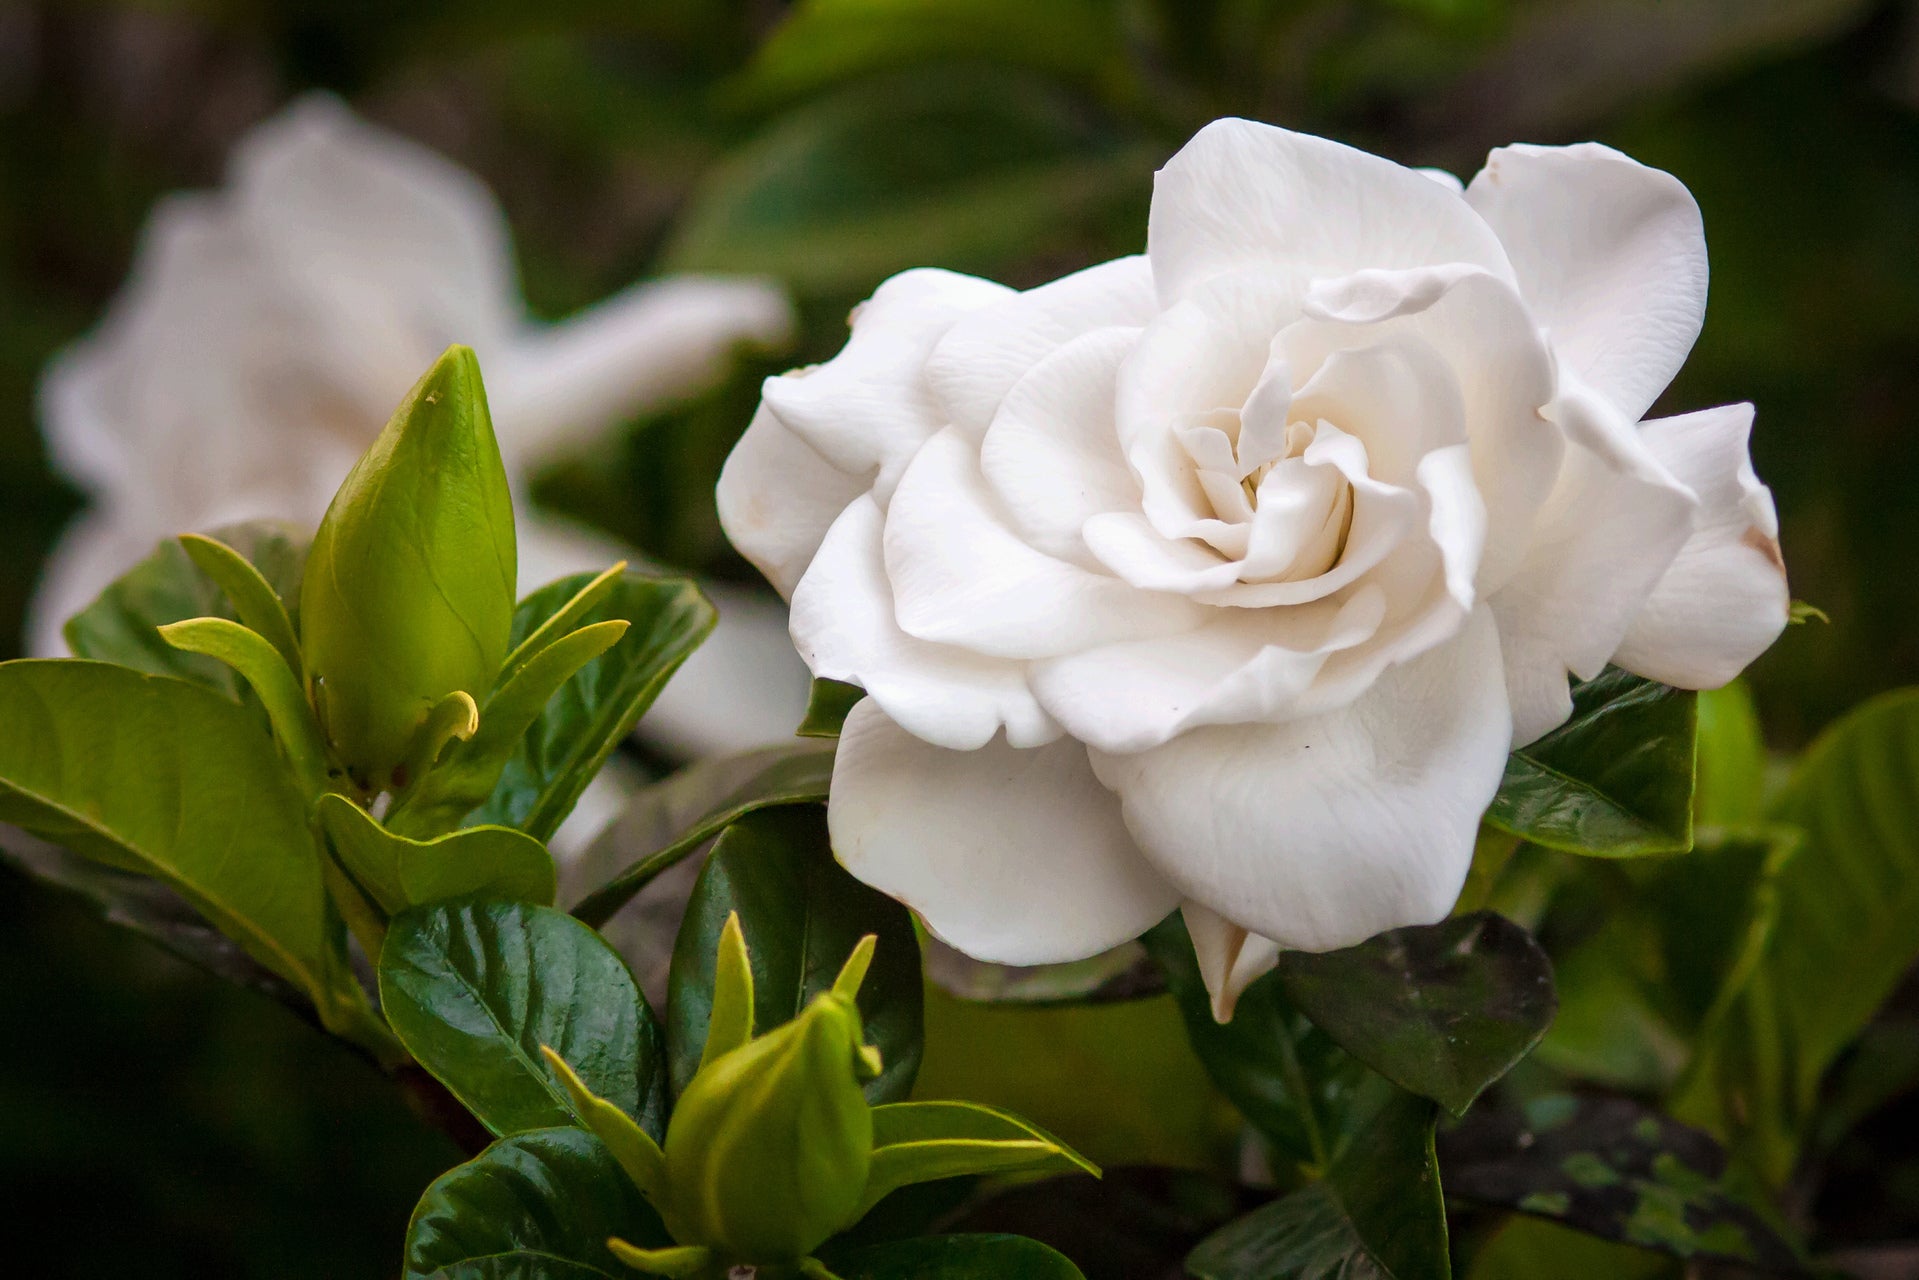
x=149 y=1114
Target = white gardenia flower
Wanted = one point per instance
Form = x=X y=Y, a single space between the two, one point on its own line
x=1226 y=577
x=269 y=328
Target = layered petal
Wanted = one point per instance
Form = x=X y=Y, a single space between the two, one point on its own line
x=843 y=622
x=1609 y=254
x=1319 y=833
x=1245 y=195
x=778 y=496
x=1724 y=600
x=1016 y=857
x=868 y=410
x=989 y=349
x=1605 y=538
x=1230 y=959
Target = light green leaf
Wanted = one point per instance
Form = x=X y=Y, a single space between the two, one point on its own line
x=801 y=915
x=476 y=988
x=166 y=778
x=1730 y=785
x=273 y=682
x=122 y=625
x=1614 y=781
x=251 y=595
x=1841 y=939
x=671 y=819
x=563 y=621
x=926 y=1141
x=554 y=1195
x=575 y=729
x=730 y=1018
x=492 y=862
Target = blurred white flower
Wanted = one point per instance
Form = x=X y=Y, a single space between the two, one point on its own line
x=1225 y=577
x=268 y=329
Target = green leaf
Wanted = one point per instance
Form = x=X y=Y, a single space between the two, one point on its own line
x=579 y=726
x=1614 y=781
x=253 y=598
x=925 y=1141
x=1840 y=941
x=1730 y=785
x=802 y=915
x=827 y=708
x=961 y=1257
x=549 y=1197
x=491 y=862
x=122 y=625
x=962 y=169
x=1443 y=1010
x=1615 y=1169
x=273 y=682
x=1378 y=1213
x=171 y=780
x=1286 y=1075
x=560 y=622
x=729 y=1021
x=824 y=42
x=474 y=989
x=670 y=819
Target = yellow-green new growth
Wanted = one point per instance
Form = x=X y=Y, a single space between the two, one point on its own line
x=408 y=592
x=773 y=1148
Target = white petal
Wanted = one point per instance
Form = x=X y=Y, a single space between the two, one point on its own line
x=1050 y=454
x=988 y=350
x=1250 y=195
x=559 y=387
x=1017 y=857
x=1480 y=330
x=1604 y=540
x=1611 y=256
x=397 y=242
x=1320 y=833
x=843 y=622
x=1242 y=665
x=868 y=409
x=961 y=577
x=777 y=497
x=1230 y=959
x=1396 y=396
x=1724 y=600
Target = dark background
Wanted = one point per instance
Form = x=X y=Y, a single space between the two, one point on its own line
x=153 y=1120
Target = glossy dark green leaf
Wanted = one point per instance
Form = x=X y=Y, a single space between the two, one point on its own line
x=602 y=702
x=1378 y=1214
x=551 y=1196
x=827 y=708
x=962 y=1257
x=1614 y=781
x=956 y=167
x=1615 y=1169
x=802 y=915
x=1841 y=939
x=474 y=988
x=671 y=819
x=1443 y=1010
x=169 y=779
x=1284 y=1074
x=122 y=625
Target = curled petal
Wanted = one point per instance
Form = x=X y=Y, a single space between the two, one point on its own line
x=1610 y=255
x=1724 y=600
x=1321 y=832
x=778 y=496
x=1016 y=857
x=843 y=622
x=1249 y=195
x=1230 y=959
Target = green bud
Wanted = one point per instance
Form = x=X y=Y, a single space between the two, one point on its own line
x=769 y=1148
x=408 y=593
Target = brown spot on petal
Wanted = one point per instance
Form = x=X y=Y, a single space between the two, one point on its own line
x=1765 y=546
